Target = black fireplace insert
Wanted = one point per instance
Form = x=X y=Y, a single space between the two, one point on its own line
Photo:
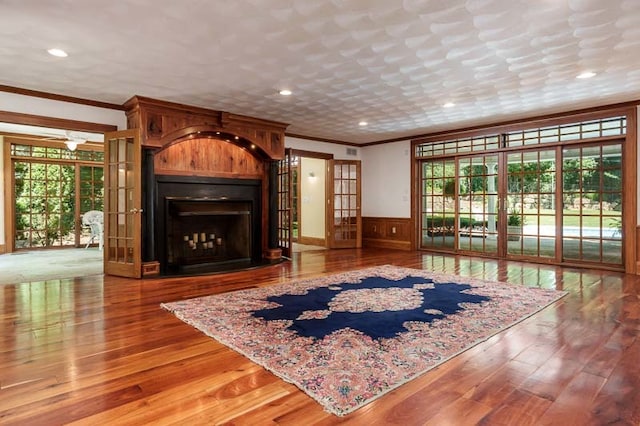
x=204 y=225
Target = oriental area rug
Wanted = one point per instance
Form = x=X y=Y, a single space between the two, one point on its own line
x=349 y=338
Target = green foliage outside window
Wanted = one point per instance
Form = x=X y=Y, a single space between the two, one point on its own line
x=45 y=198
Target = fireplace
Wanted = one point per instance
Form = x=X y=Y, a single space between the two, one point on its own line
x=204 y=232
x=206 y=225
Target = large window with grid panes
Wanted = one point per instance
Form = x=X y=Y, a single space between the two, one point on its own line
x=552 y=193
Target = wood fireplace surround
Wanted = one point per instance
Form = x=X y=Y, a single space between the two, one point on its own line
x=205 y=175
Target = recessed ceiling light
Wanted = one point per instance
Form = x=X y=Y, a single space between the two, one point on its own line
x=449 y=105
x=362 y=123
x=58 y=52
x=285 y=92
x=586 y=74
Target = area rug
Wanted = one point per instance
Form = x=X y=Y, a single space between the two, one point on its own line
x=349 y=338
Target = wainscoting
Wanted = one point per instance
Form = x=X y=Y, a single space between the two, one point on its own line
x=637 y=250
x=387 y=232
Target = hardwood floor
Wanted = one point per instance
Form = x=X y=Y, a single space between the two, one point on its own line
x=101 y=351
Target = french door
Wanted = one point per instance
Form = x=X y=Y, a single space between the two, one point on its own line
x=560 y=204
x=122 y=203
x=344 y=219
x=284 y=188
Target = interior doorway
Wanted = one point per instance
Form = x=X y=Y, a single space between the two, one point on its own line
x=302 y=206
x=309 y=207
x=52 y=175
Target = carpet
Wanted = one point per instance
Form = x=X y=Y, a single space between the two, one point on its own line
x=349 y=338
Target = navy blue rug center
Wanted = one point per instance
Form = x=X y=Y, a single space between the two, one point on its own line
x=377 y=307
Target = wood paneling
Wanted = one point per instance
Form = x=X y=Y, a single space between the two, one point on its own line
x=195 y=141
x=162 y=123
x=630 y=195
x=209 y=158
x=100 y=350
x=638 y=250
x=386 y=232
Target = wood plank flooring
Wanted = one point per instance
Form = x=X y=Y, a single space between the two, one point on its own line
x=100 y=350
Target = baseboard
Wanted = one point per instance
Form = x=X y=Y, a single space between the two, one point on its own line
x=3 y=249
x=388 y=244
x=312 y=241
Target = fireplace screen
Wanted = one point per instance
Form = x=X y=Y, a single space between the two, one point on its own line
x=203 y=232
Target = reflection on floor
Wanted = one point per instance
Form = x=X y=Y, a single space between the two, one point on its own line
x=40 y=265
x=305 y=247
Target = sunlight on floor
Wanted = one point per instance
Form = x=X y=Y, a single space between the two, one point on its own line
x=41 y=265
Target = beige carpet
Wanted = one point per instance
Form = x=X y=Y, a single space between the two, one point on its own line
x=42 y=265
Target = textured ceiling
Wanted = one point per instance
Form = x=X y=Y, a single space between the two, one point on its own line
x=391 y=63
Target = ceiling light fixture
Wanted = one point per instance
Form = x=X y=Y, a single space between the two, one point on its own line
x=449 y=105
x=71 y=145
x=586 y=74
x=285 y=92
x=362 y=123
x=57 y=52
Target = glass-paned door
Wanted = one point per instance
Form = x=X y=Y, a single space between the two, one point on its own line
x=90 y=184
x=44 y=201
x=592 y=204
x=560 y=204
x=477 y=208
x=531 y=204
x=295 y=197
x=344 y=219
x=284 y=203
x=438 y=186
x=122 y=216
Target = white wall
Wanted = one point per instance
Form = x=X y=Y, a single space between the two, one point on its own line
x=339 y=151
x=386 y=174
x=12 y=102
x=386 y=180
x=312 y=198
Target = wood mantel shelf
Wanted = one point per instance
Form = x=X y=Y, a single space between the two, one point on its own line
x=163 y=123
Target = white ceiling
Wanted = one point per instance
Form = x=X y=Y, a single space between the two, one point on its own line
x=391 y=63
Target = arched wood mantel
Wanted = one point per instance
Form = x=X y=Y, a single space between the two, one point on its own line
x=163 y=123
x=214 y=132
